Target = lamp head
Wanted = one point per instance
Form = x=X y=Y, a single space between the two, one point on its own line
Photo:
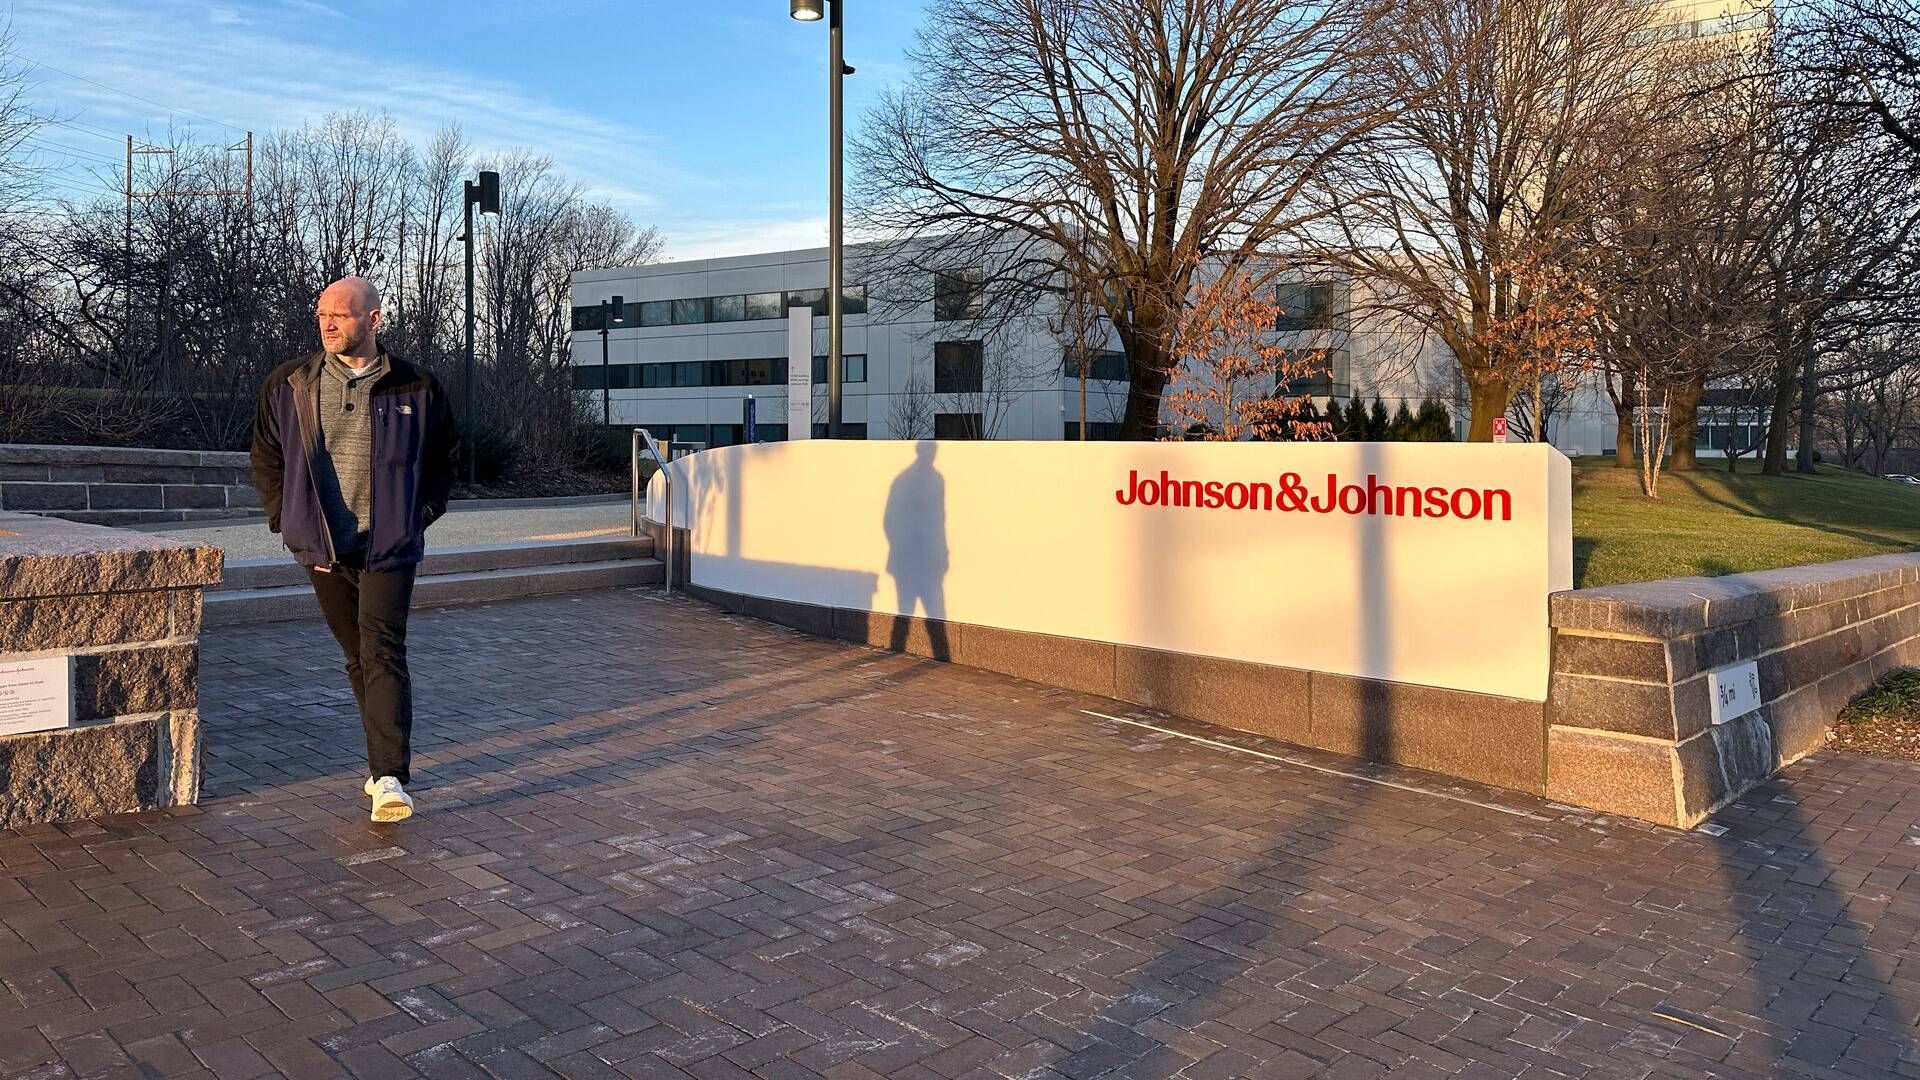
x=808 y=10
x=617 y=309
x=487 y=192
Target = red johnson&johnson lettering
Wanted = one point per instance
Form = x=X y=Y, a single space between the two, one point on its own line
x=1385 y=500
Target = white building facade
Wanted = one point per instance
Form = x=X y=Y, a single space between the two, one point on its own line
x=700 y=337
x=695 y=340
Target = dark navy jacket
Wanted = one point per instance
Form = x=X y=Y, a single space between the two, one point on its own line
x=412 y=462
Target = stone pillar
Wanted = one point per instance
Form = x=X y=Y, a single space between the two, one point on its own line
x=1631 y=720
x=125 y=607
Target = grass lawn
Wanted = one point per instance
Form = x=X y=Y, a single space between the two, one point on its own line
x=1712 y=523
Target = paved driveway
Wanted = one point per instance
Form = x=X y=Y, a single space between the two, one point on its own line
x=661 y=841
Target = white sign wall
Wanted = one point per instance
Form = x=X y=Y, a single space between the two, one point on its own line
x=1413 y=562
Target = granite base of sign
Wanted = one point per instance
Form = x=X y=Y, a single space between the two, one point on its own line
x=1482 y=737
x=123 y=611
x=1654 y=710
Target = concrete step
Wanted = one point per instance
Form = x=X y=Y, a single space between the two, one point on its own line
x=279 y=570
x=278 y=603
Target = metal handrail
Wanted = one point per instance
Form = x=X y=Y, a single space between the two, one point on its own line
x=653 y=448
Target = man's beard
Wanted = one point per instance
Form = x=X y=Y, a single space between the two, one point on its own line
x=351 y=343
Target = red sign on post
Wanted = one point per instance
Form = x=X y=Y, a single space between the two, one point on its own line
x=1500 y=429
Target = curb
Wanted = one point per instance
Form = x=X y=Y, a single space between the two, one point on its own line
x=455 y=506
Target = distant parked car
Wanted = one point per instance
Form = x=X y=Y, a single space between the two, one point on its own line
x=1903 y=478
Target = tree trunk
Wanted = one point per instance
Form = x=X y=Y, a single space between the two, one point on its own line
x=1683 y=422
x=1786 y=357
x=1809 y=387
x=1489 y=396
x=1142 y=419
x=1623 y=455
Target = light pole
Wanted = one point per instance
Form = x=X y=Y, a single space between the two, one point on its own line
x=486 y=195
x=612 y=313
x=810 y=11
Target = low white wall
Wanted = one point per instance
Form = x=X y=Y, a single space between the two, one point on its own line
x=1040 y=537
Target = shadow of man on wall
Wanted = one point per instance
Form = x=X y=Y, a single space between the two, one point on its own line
x=916 y=527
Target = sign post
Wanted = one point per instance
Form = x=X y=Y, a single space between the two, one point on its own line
x=799 y=373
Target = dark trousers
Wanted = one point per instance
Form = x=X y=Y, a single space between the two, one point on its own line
x=367 y=612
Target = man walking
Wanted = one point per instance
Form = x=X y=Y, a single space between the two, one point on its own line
x=353 y=452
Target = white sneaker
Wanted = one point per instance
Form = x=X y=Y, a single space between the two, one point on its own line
x=390 y=801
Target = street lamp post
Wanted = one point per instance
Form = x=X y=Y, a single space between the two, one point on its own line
x=486 y=195
x=811 y=11
x=612 y=313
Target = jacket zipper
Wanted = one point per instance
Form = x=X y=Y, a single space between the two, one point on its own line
x=373 y=473
x=313 y=492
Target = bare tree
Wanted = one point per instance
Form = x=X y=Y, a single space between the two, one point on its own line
x=1079 y=326
x=910 y=412
x=1007 y=374
x=159 y=333
x=1849 y=211
x=1513 y=120
x=1110 y=143
x=1866 y=57
x=19 y=179
x=1681 y=243
x=1531 y=413
x=1868 y=421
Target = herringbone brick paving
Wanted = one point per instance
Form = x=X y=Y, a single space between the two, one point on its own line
x=660 y=841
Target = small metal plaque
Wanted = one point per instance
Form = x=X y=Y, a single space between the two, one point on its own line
x=36 y=695
x=1736 y=691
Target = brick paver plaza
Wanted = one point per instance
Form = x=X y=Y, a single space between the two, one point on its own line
x=659 y=841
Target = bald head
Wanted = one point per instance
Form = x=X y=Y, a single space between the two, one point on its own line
x=357 y=291
x=349 y=313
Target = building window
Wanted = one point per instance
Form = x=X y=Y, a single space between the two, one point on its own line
x=948 y=425
x=847 y=430
x=690 y=312
x=1310 y=305
x=695 y=310
x=1097 y=430
x=688 y=433
x=1330 y=374
x=812 y=299
x=958 y=367
x=1106 y=365
x=765 y=305
x=589 y=378
x=957 y=294
x=853 y=369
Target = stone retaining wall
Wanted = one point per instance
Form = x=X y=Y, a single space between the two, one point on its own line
x=106 y=485
x=126 y=608
x=1631 y=726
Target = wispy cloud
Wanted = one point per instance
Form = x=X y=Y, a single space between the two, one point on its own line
x=712 y=239
x=254 y=76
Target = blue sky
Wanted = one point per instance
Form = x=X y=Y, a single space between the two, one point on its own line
x=706 y=118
